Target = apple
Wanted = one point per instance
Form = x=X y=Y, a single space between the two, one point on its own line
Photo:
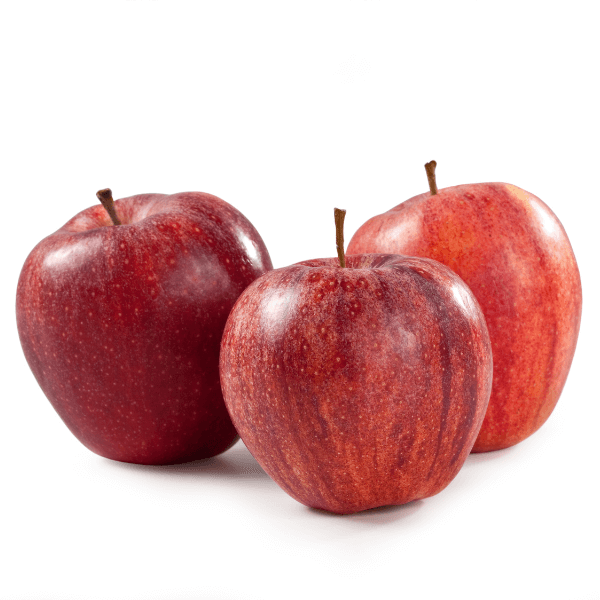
x=357 y=383
x=121 y=321
x=514 y=254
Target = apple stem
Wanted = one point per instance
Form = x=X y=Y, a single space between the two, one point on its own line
x=105 y=196
x=430 y=170
x=339 y=216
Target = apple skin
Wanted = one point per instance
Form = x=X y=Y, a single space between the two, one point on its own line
x=121 y=325
x=358 y=387
x=514 y=254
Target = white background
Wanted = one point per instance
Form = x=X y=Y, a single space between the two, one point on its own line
x=287 y=109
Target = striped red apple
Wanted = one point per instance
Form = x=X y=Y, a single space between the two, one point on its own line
x=357 y=382
x=514 y=254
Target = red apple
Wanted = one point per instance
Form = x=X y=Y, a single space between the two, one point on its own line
x=513 y=252
x=361 y=386
x=121 y=324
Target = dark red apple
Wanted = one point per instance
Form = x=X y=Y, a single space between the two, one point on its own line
x=513 y=252
x=121 y=324
x=359 y=386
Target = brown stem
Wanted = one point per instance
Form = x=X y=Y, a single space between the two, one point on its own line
x=430 y=169
x=105 y=196
x=339 y=216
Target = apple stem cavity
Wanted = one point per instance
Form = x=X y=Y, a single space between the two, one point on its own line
x=430 y=170
x=339 y=215
x=105 y=196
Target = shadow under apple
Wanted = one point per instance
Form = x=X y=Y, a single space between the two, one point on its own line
x=485 y=457
x=375 y=516
x=237 y=462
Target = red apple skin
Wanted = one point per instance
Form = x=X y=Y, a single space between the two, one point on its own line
x=358 y=387
x=121 y=325
x=514 y=254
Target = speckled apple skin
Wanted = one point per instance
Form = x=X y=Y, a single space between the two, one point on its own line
x=121 y=326
x=358 y=387
x=514 y=254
